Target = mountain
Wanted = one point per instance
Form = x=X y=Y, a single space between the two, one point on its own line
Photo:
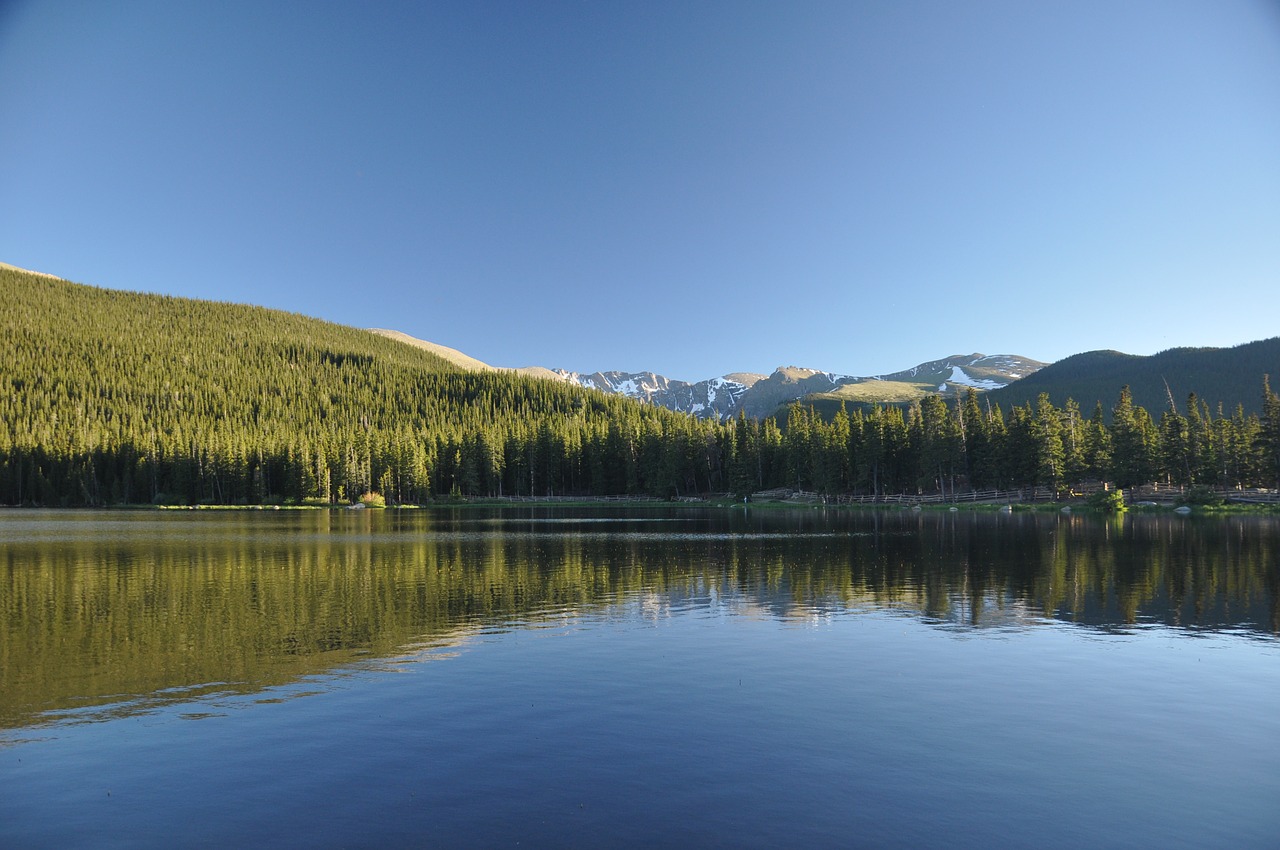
x=946 y=377
x=715 y=398
x=1227 y=376
x=761 y=395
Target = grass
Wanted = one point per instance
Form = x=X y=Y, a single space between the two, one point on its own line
x=882 y=392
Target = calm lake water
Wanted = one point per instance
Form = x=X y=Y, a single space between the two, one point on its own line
x=490 y=678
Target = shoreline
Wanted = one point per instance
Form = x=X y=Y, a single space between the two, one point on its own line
x=1070 y=507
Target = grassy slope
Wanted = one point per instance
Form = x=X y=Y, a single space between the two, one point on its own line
x=465 y=361
x=878 y=392
x=457 y=358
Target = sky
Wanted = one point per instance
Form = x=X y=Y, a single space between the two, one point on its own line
x=692 y=188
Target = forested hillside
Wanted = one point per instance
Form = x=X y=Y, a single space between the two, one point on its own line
x=115 y=397
x=121 y=398
x=1224 y=377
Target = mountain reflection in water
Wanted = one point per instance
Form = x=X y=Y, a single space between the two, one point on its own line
x=107 y=614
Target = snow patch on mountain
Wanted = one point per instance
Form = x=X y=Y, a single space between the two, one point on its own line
x=630 y=387
x=959 y=376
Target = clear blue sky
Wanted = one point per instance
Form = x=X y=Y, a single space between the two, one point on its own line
x=688 y=187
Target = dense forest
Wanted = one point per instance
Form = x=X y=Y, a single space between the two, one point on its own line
x=936 y=446
x=113 y=397
x=123 y=398
x=1226 y=376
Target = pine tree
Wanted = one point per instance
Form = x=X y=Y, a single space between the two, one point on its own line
x=1175 y=455
x=1022 y=449
x=1073 y=443
x=1130 y=463
x=1268 y=439
x=1046 y=432
x=1097 y=446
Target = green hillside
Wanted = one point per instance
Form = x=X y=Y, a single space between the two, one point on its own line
x=1226 y=376
x=117 y=397
x=121 y=398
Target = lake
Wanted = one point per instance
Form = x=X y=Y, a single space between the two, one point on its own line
x=638 y=678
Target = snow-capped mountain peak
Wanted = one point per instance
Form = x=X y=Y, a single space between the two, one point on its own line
x=718 y=397
x=760 y=395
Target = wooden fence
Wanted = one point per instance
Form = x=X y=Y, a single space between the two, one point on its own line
x=1147 y=492
x=1027 y=494
x=553 y=499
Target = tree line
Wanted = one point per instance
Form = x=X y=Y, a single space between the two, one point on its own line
x=122 y=398
x=969 y=444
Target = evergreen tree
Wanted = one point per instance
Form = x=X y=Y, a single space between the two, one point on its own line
x=1073 y=443
x=1046 y=433
x=979 y=451
x=1268 y=439
x=1175 y=449
x=1097 y=446
x=1022 y=449
x=1201 y=445
x=1130 y=463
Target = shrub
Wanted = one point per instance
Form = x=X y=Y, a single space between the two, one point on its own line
x=1107 y=501
x=1199 y=495
x=373 y=500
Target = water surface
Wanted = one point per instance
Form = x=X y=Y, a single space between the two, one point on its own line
x=645 y=678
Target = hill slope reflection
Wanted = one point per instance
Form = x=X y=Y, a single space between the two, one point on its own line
x=106 y=614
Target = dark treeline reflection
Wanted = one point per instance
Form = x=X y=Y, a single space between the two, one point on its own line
x=109 y=613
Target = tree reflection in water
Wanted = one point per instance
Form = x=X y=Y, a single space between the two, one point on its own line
x=105 y=614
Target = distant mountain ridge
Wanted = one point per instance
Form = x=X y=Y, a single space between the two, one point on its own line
x=713 y=398
x=759 y=395
x=947 y=377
